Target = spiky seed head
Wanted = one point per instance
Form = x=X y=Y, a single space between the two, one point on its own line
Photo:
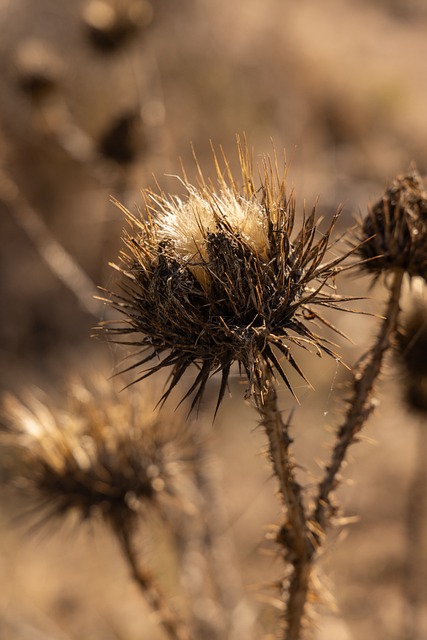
x=394 y=233
x=102 y=453
x=220 y=276
x=411 y=348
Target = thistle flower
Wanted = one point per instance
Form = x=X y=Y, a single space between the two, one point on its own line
x=220 y=277
x=98 y=454
x=394 y=233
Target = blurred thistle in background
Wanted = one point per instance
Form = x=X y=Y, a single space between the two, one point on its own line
x=101 y=454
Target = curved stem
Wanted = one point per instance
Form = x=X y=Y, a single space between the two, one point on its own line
x=169 y=619
x=293 y=536
x=360 y=407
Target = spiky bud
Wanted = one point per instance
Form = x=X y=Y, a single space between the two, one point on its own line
x=394 y=233
x=102 y=453
x=220 y=277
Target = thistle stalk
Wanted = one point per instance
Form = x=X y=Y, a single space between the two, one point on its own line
x=294 y=537
x=174 y=627
x=360 y=404
x=302 y=535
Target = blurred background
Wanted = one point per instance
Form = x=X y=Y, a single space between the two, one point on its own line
x=96 y=98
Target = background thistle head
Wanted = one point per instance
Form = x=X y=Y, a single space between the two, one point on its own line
x=225 y=275
x=97 y=454
x=393 y=235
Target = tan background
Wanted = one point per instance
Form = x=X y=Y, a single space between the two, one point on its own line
x=343 y=87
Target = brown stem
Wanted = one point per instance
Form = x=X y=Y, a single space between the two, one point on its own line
x=169 y=619
x=301 y=536
x=216 y=545
x=203 y=542
x=361 y=405
x=293 y=535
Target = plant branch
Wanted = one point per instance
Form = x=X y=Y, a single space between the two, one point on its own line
x=294 y=536
x=361 y=405
x=169 y=619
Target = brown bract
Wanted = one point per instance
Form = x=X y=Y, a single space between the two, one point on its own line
x=222 y=276
x=101 y=453
x=394 y=233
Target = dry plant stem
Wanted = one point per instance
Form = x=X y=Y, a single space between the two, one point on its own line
x=168 y=618
x=361 y=404
x=60 y=262
x=414 y=575
x=297 y=548
x=208 y=550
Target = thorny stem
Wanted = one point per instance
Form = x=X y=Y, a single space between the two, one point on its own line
x=360 y=407
x=301 y=535
x=168 y=618
x=293 y=537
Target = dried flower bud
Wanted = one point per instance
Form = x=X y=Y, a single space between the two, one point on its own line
x=110 y=27
x=101 y=453
x=394 y=233
x=217 y=278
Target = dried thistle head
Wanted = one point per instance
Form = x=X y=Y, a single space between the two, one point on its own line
x=394 y=233
x=103 y=453
x=411 y=349
x=221 y=276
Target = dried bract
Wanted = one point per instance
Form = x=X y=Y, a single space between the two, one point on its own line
x=394 y=233
x=219 y=276
x=102 y=453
